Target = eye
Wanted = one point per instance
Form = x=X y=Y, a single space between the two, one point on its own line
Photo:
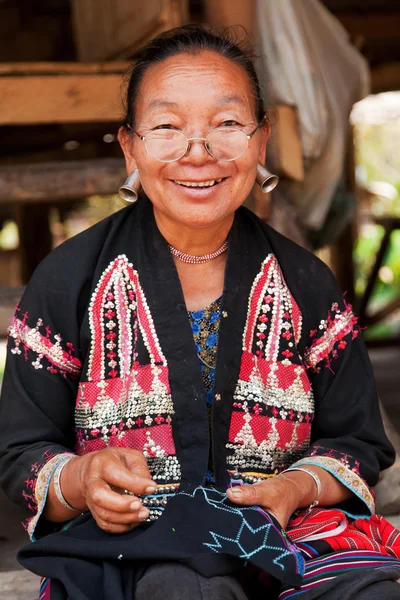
x=164 y=126
x=230 y=123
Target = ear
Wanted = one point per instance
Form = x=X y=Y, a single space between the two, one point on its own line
x=125 y=138
x=265 y=133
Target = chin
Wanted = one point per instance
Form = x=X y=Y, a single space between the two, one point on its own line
x=201 y=217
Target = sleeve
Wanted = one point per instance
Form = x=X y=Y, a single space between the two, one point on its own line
x=39 y=389
x=347 y=434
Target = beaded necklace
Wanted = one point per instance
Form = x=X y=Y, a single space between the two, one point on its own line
x=198 y=260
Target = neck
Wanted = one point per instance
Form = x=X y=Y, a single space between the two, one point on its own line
x=194 y=241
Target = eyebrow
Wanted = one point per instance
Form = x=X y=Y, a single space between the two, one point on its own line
x=163 y=104
x=221 y=102
x=231 y=99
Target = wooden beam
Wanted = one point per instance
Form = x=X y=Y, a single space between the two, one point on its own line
x=55 y=181
x=62 y=92
x=60 y=98
x=371 y=25
x=63 y=68
x=337 y=6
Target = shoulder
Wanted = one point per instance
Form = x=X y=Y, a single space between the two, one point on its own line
x=303 y=271
x=75 y=259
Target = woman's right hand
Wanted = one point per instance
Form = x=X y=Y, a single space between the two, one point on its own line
x=96 y=481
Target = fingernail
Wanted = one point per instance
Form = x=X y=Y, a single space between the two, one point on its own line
x=143 y=513
x=236 y=493
x=150 y=489
x=135 y=505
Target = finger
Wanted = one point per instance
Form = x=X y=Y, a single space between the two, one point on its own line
x=246 y=494
x=128 y=518
x=115 y=527
x=99 y=494
x=115 y=473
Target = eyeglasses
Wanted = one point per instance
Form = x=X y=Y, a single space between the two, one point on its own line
x=222 y=143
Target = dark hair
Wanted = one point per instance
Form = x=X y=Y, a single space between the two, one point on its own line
x=189 y=39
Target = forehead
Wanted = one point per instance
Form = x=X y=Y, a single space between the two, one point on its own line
x=187 y=81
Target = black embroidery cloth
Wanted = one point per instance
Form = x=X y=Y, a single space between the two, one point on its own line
x=202 y=529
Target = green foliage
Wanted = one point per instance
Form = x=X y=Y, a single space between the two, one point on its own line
x=378 y=160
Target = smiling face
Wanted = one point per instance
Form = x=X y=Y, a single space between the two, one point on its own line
x=194 y=94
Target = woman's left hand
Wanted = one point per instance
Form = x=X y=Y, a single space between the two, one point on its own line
x=279 y=495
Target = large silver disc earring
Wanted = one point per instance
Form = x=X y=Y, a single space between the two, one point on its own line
x=129 y=190
x=266 y=180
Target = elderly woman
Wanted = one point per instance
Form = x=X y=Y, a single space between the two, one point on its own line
x=182 y=360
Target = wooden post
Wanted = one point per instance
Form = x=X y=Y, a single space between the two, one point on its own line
x=342 y=261
x=342 y=248
x=35 y=240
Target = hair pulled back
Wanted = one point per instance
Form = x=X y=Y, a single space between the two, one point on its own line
x=188 y=39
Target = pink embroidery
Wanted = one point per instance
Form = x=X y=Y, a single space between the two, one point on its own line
x=255 y=302
x=123 y=403
x=262 y=426
x=119 y=298
x=30 y=486
x=31 y=339
x=271 y=307
x=42 y=473
x=346 y=459
x=334 y=329
x=273 y=402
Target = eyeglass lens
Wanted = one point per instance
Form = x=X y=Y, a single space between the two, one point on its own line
x=223 y=144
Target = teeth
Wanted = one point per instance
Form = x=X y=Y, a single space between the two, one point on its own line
x=199 y=183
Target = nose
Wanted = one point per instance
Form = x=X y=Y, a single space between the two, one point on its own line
x=197 y=152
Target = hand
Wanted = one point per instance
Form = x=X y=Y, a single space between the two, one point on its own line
x=96 y=481
x=279 y=495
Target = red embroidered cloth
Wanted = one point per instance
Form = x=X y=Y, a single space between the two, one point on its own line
x=341 y=532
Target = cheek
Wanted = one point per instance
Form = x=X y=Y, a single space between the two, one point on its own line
x=154 y=184
x=149 y=170
x=246 y=169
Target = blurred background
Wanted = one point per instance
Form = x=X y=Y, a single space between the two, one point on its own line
x=330 y=71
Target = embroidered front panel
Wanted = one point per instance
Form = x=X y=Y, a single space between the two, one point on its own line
x=273 y=403
x=329 y=339
x=117 y=308
x=125 y=403
x=42 y=348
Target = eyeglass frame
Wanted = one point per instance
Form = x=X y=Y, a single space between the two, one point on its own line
x=197 y=139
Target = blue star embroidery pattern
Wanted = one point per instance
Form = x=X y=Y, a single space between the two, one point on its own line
x=248 y=540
